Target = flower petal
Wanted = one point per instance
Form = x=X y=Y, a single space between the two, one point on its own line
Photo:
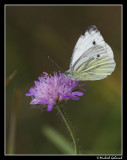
x=75 y=98
x=83 y=89
x=44 y=101
x=36 y=83
x=28 y=94
x=49 y=107
x=77 y=93
x=34 y=101
x=66 y=96
x=45 y=73
x=31 y=90
x=82 y=84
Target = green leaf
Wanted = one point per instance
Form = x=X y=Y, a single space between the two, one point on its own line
x=58 y=140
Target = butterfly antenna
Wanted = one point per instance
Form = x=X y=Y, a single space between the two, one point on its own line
x=55 y=63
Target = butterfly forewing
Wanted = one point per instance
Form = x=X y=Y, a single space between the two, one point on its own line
x=91 y=38
x=93 y=52
x=95 y=69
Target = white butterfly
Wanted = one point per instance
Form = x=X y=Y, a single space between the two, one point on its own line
x=92 y=57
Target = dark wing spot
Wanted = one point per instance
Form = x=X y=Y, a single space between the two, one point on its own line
x=94 y=42
x=98 y=55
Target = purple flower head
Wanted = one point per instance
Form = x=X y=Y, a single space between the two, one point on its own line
x=52 y=90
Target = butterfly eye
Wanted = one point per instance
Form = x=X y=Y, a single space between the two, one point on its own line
x=94 y=42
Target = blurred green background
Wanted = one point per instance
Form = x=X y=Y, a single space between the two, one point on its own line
x=32 y=34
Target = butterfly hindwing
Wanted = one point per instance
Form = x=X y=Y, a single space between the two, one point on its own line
x=95 y=68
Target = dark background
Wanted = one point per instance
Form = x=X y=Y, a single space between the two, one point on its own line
x=32 y=34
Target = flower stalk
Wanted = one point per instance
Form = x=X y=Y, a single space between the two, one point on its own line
x=69 y=128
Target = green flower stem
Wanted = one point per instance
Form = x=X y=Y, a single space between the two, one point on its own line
x=69 y=128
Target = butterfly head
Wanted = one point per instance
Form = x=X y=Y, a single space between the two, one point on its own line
x=69 y=74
